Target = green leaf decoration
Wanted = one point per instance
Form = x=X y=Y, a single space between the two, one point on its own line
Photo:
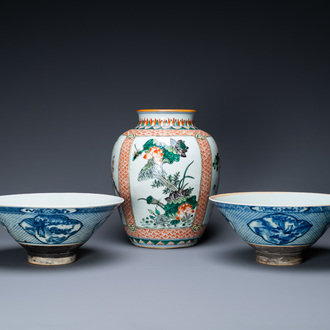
x=166 y=191
x=151 y=211
x=181 y=183
x=190 y=191
x=174 y=222
x=149 y=144
x=192 y=201
x=174 y=179
x=149 y=199
x=170 y=155
x=156 y=184
x=170 y=209
x=180 y=200
x=157 y=212
x=171 y=149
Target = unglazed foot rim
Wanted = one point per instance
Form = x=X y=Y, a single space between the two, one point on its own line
x=279 y=256
x=51 y=255
x=279 y=260
x=47 y=261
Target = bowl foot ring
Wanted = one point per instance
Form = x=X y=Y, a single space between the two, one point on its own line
x=44 y=261
x=52 y=255
x=279 y=255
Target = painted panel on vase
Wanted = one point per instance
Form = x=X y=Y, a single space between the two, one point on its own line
x=168 y=181
x=115 y=171
x=215 y=176
x=115 y=163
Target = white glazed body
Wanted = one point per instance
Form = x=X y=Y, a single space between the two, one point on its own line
x=165 y=170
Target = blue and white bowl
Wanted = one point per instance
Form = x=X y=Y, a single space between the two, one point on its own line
x=52 y=226
x=279 y=225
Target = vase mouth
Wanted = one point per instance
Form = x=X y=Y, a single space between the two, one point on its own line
x=165 y=110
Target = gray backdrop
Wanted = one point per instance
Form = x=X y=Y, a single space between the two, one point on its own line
x=72 y=76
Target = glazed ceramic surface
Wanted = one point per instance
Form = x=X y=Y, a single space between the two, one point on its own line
x=54 y=222
x=276 y=219
x=165 y=169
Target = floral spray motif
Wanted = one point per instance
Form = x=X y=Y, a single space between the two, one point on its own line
x=179 y=209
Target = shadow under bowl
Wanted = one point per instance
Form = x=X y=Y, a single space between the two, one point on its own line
x=52 y=226
x=278 y=225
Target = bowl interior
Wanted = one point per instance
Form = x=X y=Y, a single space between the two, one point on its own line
x=288 y=199
x=59 y=200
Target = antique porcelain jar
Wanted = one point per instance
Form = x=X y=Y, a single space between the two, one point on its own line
x=165 y=169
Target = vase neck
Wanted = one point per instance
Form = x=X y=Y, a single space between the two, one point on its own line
x=166 y=119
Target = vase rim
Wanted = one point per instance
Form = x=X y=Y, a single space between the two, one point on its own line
x=165 y=110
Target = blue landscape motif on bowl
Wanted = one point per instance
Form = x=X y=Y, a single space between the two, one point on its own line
x=52 y=229
x=279 y=228
x=54 y=226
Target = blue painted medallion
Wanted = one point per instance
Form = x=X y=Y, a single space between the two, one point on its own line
x=279 y=229
x=51 y=229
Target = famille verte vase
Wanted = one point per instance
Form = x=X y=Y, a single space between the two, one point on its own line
x=165 y=169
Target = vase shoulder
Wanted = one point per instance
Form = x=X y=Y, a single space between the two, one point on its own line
x=135 y=132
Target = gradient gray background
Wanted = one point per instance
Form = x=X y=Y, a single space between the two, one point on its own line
x=72 y=76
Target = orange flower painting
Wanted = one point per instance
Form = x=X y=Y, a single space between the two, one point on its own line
x=185 y=210
x=156 y=153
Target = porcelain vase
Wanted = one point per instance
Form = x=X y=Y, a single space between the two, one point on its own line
x=165 y=169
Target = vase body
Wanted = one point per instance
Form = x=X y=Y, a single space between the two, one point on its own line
x=165 y=169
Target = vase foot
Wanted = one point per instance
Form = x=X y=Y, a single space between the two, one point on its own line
x=163 y=244
x=279 y=256
x=51 y=255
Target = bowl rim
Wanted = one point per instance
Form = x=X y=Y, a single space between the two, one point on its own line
x=118 y=201
x=213 y=199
